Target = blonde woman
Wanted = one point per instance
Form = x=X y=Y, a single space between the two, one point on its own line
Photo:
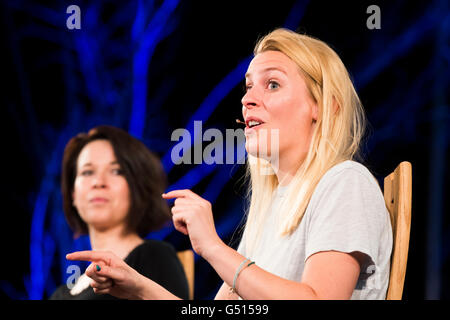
x=317 y=226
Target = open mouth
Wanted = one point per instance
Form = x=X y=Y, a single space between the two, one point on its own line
x=253 y=123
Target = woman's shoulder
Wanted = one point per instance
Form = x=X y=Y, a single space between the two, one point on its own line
x=152 y=246
x=344 y=178
x=152 y=255
x=152 y=250
x=157 y=260
x=349 y=169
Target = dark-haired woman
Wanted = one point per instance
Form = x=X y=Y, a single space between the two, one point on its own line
x=112 y=186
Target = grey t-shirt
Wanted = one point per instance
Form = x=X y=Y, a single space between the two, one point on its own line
x=346 y=213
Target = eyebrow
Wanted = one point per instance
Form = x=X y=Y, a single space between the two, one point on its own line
x=267 y=70
x=90 y=164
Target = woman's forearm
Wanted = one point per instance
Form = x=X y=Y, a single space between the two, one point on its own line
x=150 y=290
x=253 y=282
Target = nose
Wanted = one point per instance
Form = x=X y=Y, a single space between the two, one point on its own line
x=99 y=181
x=250 y=99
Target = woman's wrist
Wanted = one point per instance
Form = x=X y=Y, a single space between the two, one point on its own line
x=213 y=250
x=147 y=289
x=142 y=286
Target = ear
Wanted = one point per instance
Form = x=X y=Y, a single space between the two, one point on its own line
x=315 y=112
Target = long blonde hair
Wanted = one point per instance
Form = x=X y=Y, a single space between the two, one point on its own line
x=336 y=137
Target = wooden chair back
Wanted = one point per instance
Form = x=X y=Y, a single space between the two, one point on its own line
x=397 y=195
x=187 y=260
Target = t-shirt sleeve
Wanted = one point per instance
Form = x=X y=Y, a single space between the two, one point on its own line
x=347 y=215
x=241 y=247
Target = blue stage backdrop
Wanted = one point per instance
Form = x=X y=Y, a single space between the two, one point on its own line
x=151 y=67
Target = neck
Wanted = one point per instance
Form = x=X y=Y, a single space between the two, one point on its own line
x=287 y=166
x=114 y=240
x=289 y=161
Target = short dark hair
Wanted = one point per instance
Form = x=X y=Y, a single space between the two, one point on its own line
x=142 y=170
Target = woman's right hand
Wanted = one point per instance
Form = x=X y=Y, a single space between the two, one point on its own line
x=111 y=275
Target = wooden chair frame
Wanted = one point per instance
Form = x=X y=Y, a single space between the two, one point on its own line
x=397 y=195
x=187 y=261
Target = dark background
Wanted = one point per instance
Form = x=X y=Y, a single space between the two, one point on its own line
x=58 y=82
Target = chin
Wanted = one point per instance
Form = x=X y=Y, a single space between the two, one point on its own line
x=252 y=148
x=97 y=218
x=260 y=144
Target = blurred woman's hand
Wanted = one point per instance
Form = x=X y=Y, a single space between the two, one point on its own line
x=111 y=275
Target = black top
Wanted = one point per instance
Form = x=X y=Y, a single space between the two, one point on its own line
x=154 y=259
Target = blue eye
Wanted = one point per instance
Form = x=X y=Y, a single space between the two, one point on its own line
x=273 y=85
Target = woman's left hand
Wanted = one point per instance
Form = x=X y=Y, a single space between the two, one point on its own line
x=192 y=215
